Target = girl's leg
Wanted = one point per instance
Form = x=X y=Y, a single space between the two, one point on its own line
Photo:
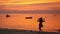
x=40 y=29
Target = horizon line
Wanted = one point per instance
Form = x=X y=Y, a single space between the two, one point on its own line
x=32 y=12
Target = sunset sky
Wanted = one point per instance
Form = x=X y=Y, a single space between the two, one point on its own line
x=23 y=2
x=51 y=8
x=29 y=5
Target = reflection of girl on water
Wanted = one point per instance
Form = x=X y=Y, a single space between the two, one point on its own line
x=40 y=20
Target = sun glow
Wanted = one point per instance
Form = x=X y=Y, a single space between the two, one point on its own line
x=23 y=2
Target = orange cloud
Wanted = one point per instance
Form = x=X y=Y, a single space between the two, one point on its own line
x=22 y=2
x=45 y=6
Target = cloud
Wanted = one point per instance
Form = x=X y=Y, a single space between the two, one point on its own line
x=22 y=2
x=44 y=8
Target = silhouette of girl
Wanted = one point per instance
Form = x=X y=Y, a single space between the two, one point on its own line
x=40 y=20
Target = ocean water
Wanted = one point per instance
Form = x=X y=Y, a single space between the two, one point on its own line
x=19 y=21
